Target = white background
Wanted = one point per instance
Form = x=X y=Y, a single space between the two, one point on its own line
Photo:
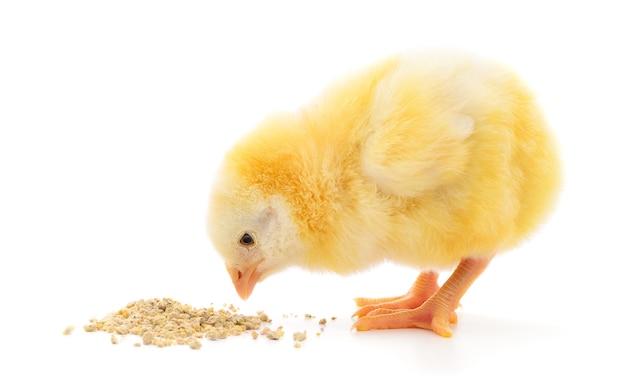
x=114 y=116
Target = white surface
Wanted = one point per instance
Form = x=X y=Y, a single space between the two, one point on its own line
x=114 y=117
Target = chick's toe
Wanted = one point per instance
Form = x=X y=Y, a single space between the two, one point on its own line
x=435 y=313
x=424 y=287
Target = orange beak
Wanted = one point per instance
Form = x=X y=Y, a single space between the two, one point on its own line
x=245 y=280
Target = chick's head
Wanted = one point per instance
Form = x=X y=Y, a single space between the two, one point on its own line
x=251 y=230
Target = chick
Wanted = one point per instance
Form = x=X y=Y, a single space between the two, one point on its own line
x=434 y=159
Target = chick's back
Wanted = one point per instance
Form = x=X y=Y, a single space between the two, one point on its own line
x=424 y=159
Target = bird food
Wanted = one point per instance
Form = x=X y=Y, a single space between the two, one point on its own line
x=68 y=331
x=299 y=336
x=165 y=322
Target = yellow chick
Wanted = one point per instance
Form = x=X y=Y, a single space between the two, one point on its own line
x=435 y=160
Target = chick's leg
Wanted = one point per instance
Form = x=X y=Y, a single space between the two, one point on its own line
x=436 y=312
x=423 y=288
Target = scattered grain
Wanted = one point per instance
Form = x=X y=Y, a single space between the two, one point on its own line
x=274 y=334
x=262 y=316
x=147 y=338
x=91 y=327
x=194 y=343
x=166 y=322
x=68 y=331
x=299 y=336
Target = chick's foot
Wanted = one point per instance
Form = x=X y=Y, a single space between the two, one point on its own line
x=436 y=313
x=423 y=288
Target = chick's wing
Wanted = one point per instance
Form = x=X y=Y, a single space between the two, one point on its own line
x=416 y=139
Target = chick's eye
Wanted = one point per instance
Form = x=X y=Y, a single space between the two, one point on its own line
x=246 y=240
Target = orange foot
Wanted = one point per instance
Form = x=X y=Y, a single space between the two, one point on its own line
x=425 y=306
x=424 y=287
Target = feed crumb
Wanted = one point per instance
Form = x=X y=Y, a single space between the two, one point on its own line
x=262 y=316
x=254 y=334
x=308 y=316
x=194 y=343
x=166 y=322
x=297 y=345
x=147 y=338
x=333 y=318
x=90 y=328
x=322 y=321
x=299 y=336
x=68 y=331
x=318 y=333
x=274 y=334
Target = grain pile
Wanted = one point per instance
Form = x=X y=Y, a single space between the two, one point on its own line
x=165 y=322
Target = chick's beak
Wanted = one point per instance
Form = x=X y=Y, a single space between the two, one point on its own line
x=245 y=280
